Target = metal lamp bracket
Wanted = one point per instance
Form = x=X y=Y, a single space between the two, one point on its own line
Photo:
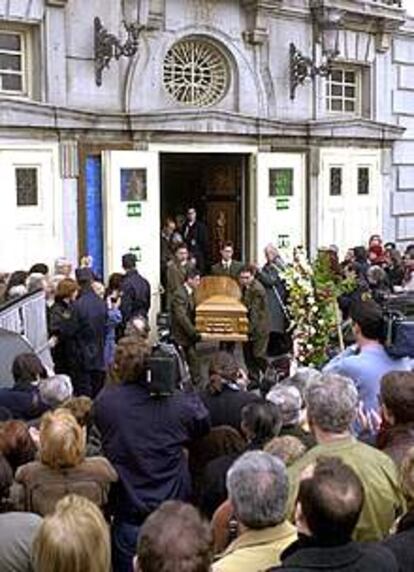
x=108 y=46
x=302 y=67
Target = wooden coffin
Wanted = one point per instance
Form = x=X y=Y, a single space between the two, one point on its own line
x=220 y=314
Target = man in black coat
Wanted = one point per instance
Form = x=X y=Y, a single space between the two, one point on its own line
x=91 y=313
x=195 y=237
x=328 y=506
x=227 y=265
x=183 y=314
x=135 y=291
x=144 y=438
x=269 y=276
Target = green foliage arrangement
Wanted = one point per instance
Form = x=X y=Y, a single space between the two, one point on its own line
x=313 y=290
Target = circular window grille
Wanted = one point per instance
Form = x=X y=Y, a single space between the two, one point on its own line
x=195 y=73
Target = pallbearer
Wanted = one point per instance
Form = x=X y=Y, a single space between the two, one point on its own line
x=254 y=298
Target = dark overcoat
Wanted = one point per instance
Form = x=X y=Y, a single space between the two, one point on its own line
x=135 y=296
x=276 y=293
x=183 y=318
x=91 y=314
x=255 y=300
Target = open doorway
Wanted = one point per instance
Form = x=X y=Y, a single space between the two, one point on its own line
x=213 y=183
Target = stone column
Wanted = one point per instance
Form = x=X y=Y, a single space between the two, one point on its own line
x=55 y=53
x=69 y=172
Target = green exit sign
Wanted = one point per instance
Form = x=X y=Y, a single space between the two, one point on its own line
x=282 y=203
x=134 y=209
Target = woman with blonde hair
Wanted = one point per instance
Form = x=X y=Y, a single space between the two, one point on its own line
x=75 y=538
x=62 y=467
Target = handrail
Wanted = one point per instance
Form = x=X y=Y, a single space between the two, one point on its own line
x=26 y=316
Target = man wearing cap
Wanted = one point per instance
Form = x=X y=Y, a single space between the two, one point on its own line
x=135 y=291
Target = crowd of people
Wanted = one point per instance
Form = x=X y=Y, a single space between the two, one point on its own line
x=310 y=469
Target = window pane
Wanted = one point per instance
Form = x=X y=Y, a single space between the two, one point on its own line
x=349 y=105
x=363 y=180
x=337 y=75
x=349 y=91
x=336 y=105
x=337 y=90
x=11 y=82
x=133 y=185
x=350 y=77
x=10 y=62
x=10 y=42
x=335 y=183
x=280 y=182
x=26 y=187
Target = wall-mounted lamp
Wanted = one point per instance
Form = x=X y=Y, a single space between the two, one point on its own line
x=326 y=26
x=108 y=46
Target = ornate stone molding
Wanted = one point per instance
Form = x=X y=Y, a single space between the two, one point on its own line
x=69 y=159
x=57 y=3
x=32 y=117
x=258 y=12
x=380 y=17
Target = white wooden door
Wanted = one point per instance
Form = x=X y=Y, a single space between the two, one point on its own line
x=350 y=197
x=132 y=214
x=31 y=212
x=281 y=202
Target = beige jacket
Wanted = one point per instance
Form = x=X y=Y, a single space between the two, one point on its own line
x=256 y=550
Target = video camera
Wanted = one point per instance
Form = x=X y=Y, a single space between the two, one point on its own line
x=399 y=324
x=166 y=369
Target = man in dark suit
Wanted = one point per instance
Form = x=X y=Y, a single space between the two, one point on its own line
x=135 y=291
x=227 y=266
x=255 y=299
x=91 y=313
x=195 y=236
x=183 y=328
x=176 y=270
x=269 y=276
x=167 y=252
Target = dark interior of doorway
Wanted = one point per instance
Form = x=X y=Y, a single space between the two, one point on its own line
x=215 y=184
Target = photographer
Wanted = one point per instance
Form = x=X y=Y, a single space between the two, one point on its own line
x=367 y=361
x=144 y=437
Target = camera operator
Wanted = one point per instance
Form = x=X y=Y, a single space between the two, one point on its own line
x=144 y=437
x=367 y=361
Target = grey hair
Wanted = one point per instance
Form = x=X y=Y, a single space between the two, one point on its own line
x=288 y=400
x=302 y=379
x=332 y=403
x=56 y=390
x=35 y=282
x=258 y=487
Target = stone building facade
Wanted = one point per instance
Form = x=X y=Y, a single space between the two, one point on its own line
x=103 y=132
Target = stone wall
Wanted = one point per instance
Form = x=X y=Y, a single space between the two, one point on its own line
x=402 y=204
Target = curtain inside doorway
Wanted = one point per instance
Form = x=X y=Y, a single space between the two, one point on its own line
x=93 y=215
